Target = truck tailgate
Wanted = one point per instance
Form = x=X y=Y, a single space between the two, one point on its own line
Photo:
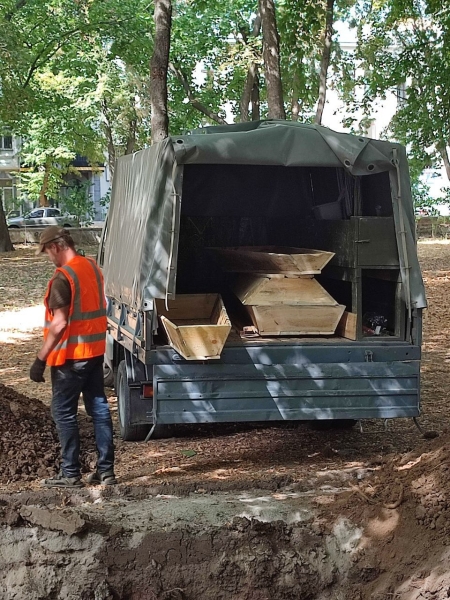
x=226 y=393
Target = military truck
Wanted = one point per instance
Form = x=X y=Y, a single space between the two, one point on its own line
x=187 y=217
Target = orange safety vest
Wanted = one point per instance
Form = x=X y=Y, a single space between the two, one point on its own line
x=85 y=334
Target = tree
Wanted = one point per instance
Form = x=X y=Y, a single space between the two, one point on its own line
x=271 y=53
x=404 y=49
x=250 y=93
x=325 y=60
x=5 y=240
x=158 y=67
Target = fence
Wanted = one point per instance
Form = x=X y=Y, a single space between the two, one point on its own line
x=81 y=235
x=433 y=227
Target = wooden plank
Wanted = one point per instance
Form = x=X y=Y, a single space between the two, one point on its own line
x=188 y=306
x=296 y=320
x=273 y=259
x=267 y=291
x=347 y=326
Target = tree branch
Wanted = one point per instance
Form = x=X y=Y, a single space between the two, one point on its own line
x=192 y=100
x=47 y=53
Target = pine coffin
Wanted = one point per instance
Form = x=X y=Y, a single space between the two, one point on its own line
x=197 y=325
x=296 y=320
x=268 y=260
x=271 y=290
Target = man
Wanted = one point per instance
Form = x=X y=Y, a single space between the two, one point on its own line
x=73 y=348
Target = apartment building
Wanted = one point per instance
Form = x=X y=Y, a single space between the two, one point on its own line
x=15 y=201
x=9 y=171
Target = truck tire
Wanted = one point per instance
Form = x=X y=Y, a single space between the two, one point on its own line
x=128 y=431
x=108 y=376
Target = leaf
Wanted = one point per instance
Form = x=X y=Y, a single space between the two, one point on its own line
x=188 y=453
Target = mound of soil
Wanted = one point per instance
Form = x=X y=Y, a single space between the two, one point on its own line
x=417 y=482
x=29 y=446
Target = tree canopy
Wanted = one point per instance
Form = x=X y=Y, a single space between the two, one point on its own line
x=403 y=47
x=75 y=75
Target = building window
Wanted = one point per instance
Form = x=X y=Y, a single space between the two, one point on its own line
x=7 y=198
x=6 y=142
x=401 y=94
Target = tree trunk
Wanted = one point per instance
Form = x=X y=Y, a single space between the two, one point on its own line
x=5 y=240
x=325 y=61
x=247 y=93
x=109 y=139
x=256 y=112
x=443 y=150
x=158 y=70
x=295 y=104
x=271 y=55
x=43 y=200
x=132 y=127
x=131 y=140
x=252 y=80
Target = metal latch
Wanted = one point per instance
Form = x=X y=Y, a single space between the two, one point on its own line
x=368 y=356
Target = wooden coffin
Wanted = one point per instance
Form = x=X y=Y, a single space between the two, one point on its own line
x=296 y=320
x=197 y=325
x=268 y=260
x=347 y=326
x=270 y=290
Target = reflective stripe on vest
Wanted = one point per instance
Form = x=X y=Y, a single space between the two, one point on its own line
x=84 y=336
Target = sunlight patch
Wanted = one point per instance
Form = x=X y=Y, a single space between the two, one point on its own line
x=25 y=319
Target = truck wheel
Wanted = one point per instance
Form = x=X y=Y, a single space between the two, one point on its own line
x=108 y=376
x=128 y=431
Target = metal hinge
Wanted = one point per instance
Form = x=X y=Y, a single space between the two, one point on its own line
x=368 y=356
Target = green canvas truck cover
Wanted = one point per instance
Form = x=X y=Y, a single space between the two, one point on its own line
x=141 y=231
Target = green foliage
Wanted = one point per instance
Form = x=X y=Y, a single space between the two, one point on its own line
x=78 y=202
x=105 y=200
x=421 y=197
x=86 y=63
x=405 y=43
x=60 y=64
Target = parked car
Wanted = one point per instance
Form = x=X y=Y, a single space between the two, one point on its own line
x=41 y=217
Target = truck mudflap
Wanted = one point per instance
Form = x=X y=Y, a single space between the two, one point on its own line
x=227 y=393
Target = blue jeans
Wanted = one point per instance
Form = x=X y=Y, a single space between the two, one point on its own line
x=73 y=378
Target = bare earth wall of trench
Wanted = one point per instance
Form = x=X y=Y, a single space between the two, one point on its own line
x=168 y=547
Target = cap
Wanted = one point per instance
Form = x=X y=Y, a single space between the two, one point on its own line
x=51 y=234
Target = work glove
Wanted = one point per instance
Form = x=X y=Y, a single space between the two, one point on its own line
x=37 y=370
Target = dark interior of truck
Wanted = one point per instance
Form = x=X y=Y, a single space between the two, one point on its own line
x=318 y=208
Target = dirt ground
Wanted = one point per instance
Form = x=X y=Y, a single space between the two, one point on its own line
x=388 y=488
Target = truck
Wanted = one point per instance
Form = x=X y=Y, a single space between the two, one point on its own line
x=187 y=218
